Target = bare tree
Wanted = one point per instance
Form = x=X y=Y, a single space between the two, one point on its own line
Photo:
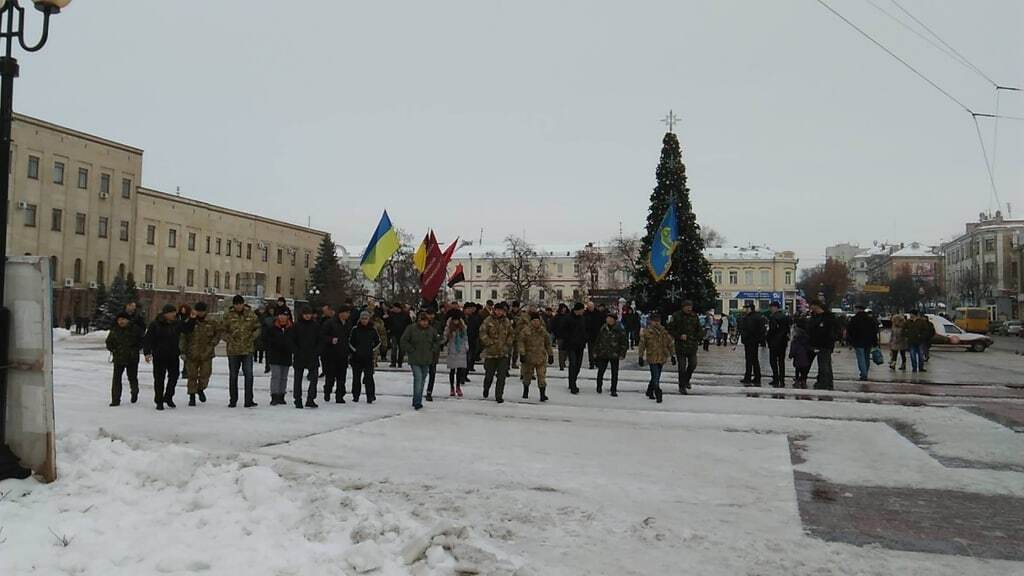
x=399 y=281
x=589 y=263
x=622 y=258
x=519 y=268
x=712 y=238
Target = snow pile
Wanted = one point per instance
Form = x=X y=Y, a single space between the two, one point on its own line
x=127 y=508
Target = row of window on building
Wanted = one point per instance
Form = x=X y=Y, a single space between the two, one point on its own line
x=479 y=294
x=748 y=277
x=171 y=277
x=81 y=221
x=220 y=246
x=974 y=248
x=83 y=177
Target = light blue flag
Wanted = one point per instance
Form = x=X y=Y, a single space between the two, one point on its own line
x=664 y=244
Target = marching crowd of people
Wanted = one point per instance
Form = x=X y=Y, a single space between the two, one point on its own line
x=330 y=342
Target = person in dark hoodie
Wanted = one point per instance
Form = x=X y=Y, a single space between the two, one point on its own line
x=574 y=338
x=336 y=353
x=363 y=342
x=593 y=319
x=778 y=339
x=822 y=332
x=306 y=346
x=862 y=333
x=277 y=339
x=752 y=332
x=161 y=348
x=397 y=321
x=124 y=342
x=473 y=322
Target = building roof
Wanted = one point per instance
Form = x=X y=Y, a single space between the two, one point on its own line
x=744 y=253
x=215 y=208
x=78 y=134
x=914 y=250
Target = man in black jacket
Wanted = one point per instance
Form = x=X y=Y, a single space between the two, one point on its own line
x=822 y=331
x=752 y=331
x=397 y=321
x=160 y=346
x=363 y=342
x=306 y=346
x=862 y=333
x=473 y=322
x=335 y=341
x=778 y=339
x=574 y=338
x=593 y=318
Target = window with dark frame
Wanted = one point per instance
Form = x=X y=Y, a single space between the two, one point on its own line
x=83 y=178
x=104 y=183
x=124 y=230
x=126 y=188
x=172 y=238
x=58 y=172
x=33 y=167
x=56 y=219
x=30 y=215
x=80 y=224
x=102 y=226
x=151 y=235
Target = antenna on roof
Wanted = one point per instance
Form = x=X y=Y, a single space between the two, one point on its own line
x=178 y=190
x=481 y=237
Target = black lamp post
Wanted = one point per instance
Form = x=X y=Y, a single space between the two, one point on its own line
x=12 y=28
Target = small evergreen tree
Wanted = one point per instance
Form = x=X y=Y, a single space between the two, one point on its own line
x=131 y=289
x=115 y=302
x=101 y=301
x=327 y=275
x=690 y=275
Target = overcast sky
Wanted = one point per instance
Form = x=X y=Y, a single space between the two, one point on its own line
x=543 y=116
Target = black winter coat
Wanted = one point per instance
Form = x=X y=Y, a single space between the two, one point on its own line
x=862 y=332
x=397 y=323
x=822 y=330
x=574 y=332
x=279 y=346
x=362 y=341
x=752 y=329
x=306 y=343
x=778 y=329
x=593 y=320
x=161 y=340
x=336 y=329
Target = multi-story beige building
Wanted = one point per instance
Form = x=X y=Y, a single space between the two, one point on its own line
x=76 y=198
x=753 y=274
x=981 y=267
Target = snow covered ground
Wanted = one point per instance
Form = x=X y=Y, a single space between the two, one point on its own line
x=583 y=485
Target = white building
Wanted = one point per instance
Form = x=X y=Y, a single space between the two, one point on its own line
x=982 y=267
x=753 y=275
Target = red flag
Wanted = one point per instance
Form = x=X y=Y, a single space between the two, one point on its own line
x=437 y=268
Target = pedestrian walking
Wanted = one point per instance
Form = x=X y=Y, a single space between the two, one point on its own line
x=123 y=342
x=631 y=324
x=279 y=356
x=593 y=318
x=862 y=334
x=241 y=328
x=611 y=347
x=396 y=323
x=336 y=354
x=161 y=348
x=497 y=338
x=534 y=343
x=456 y=337
x=473 y=321
x=306 y=344
x=723 y=330
x=778 y=339
x=363 y=342
x=919 y=331
x=708 y=324
x=557 y=330
x=898 y=342
x=575 y=338
x=419 y=343
x=200 y=335
x=752 y=332
x=687 y=335
x=656 y=346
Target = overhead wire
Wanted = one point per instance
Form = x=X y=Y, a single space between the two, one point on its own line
x=952 y=55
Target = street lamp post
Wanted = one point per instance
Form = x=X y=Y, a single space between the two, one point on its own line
x=12 y=28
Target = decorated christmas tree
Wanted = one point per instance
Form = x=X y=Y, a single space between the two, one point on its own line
x=689 y=277
x=331 y=281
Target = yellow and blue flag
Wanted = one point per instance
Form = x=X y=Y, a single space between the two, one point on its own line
x=382 y=246
x=664 y=243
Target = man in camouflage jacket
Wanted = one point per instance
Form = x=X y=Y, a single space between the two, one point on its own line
x=239 y=329
x=687 y=334
x=199 y=337
x=497 y=337
x=534 y=345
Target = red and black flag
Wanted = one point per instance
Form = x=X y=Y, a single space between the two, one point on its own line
x=457 y=276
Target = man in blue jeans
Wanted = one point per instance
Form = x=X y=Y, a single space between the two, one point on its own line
x=420 y=342
x=241 y=329
x=862 y=333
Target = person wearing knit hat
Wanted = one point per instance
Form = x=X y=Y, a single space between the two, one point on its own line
x=364 y=341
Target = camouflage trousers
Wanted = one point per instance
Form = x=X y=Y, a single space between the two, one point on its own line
x=529 y=370
x=198 y=374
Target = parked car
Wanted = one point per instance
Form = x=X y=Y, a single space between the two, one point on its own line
x=949 y=334
x=995 y=326
x=1011 y=328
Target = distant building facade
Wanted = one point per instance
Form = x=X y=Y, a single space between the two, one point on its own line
x=983 y=266
x=77 y=199
x=844 y=253
x=753 y=275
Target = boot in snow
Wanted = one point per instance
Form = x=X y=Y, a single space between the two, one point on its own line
x=135 y=396
x=526 y=391
x=452 y=393
x=191 y=399
x=202 y=396
x=298 y=404
x=169 y=402
x=310 y=403
x=543 y=395
x=458 y=391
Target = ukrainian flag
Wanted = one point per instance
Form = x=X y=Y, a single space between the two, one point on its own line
x=382 y=246
x=664 y=243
